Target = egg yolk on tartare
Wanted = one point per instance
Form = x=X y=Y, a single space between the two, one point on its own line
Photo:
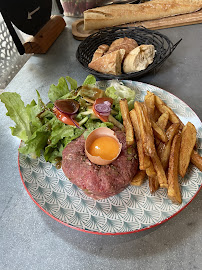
x=105 y=147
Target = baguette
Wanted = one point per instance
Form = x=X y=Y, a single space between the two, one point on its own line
x=108 y=16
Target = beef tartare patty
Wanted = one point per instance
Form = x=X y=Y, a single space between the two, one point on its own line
x=97 y=181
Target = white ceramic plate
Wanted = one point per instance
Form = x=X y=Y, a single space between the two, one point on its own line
x=132 y=210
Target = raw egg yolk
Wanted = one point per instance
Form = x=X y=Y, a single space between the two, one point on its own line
x=106 y=147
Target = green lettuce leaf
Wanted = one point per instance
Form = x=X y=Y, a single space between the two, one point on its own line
x=60 y=130
x=93 y=124
x=36 y=143
x=57 y=91
x=33 y=109
x=18 y=113
x=73 y=83
x=118 y=91
x=60 y=136
x=38 y=140
x=90 y=79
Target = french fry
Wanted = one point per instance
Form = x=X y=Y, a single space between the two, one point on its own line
x=148 y=142
x=150 y=171
x=164 y=149
x=172 y=131
x=186 y=148
x=144 y=161
x=174 y=193
x=160 y=171
x=163 y=120
x=138 y=110
x=127 y=122
x=159 y=132
x=139 y=178
x=146 y=132
x=157 y=114
x=160 y=149
x=149 y=101
x=196 y=160
x=162 y=107
x=153 y=184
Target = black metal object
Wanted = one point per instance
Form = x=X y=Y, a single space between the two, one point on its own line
x=163 y=46
x=28 y=16
x=14 y=35
x=59 y=6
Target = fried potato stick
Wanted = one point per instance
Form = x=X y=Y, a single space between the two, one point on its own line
x=187 y=146
x=139 y=178
x=196 y=159
x=127 y=122
x=162 y=107
x=149 y=101
x=153 y=184
x=163 y=120
x=159 y=171
x=150 y=171
x=164 y=149
x=159 y=132
x=173 y=184
x=144 y=161
x=148 y=142
x=146 y=131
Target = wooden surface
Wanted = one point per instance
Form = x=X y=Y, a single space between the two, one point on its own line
x=179 y=20
x=42 y=41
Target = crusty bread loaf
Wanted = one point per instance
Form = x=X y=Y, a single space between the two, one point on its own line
x=109 y=63
x=108 y=16
x=128 y=44
x=139 y=58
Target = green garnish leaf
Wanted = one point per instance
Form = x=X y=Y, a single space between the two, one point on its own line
x=73 y=83
x=19 y=114
x=90 y=79
x=57 y=91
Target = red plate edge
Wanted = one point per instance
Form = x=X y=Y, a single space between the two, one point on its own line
x=121 y=233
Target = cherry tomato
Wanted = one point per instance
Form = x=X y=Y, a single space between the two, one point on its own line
x=98 y=101
x=64 y=118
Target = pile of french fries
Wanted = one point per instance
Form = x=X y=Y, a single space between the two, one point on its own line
x=165 y=146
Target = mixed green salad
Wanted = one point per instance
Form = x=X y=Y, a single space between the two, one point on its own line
x=41 y=131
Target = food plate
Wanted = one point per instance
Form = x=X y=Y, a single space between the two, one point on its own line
x=133 y=210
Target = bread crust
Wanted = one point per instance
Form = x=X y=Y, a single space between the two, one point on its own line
x=100 y=51
x=128 y=44
x=109 y=63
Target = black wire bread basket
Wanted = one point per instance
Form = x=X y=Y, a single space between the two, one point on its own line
x=163 y=46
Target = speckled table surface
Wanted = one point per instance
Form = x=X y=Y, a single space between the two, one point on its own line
x=30 y=239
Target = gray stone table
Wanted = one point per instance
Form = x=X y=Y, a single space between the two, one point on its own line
x=30 y=239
